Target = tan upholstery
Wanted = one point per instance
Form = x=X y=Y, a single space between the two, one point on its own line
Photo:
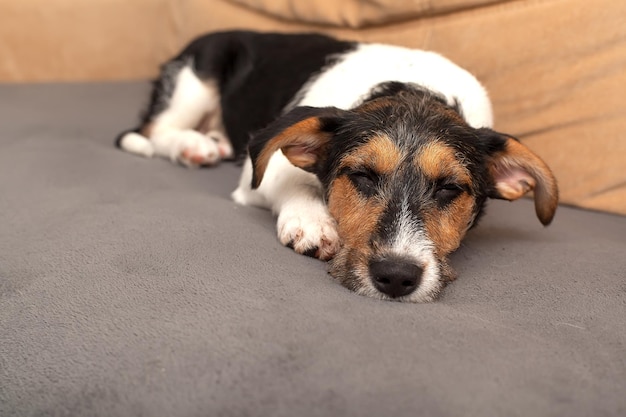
x=555 y=69
x=358 y=13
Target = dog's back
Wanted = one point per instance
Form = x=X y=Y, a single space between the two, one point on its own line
x=254 y=76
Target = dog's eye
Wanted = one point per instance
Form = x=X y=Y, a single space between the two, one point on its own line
x=447 y=192
x=364 y=181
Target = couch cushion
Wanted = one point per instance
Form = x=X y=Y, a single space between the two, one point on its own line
x=131 y=286
x=359 y=13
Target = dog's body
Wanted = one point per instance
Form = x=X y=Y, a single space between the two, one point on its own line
x=377 y=157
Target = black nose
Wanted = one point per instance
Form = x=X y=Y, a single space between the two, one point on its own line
x=395 y=277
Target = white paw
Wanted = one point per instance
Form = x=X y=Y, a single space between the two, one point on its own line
x=135 y=143
x=309 y=232
x=193 y=149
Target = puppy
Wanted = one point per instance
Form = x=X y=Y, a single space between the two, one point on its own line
x=376 y=157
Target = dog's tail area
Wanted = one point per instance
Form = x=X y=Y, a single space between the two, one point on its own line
x=132 y=141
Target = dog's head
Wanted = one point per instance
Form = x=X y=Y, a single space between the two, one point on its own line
x=405 y=177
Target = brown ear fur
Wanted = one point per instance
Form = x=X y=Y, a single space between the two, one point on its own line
x=303 y=135
x=302 y=143
x=516 y=170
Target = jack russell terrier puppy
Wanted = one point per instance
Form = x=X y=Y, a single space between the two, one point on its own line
x=376 y=157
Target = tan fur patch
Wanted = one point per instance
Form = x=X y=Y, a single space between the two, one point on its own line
x=518 y=157
x=357 y=217
x=379 y=154
x=437 y=160
x=447 y=226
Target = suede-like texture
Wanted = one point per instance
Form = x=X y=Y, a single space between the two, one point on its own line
x=358 y=13
x=133 y=287
x=554 y=69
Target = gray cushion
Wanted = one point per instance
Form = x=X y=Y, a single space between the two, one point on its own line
x=131 y=286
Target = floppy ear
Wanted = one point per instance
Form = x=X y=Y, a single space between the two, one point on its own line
x=303 y=135
x=516 y=170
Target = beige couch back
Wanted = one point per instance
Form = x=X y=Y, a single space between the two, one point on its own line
x=555 y=69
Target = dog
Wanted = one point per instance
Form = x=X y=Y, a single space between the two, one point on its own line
x=375 y=157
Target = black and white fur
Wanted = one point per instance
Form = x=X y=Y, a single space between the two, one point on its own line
x=225 y=86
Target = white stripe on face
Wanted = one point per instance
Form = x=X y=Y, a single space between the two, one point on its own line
x=410 y=242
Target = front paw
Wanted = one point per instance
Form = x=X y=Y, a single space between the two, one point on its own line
x=309 y=234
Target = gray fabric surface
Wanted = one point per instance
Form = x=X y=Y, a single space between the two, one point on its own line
x=135 y=287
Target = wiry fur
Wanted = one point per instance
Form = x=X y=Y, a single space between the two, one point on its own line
x=376 y=157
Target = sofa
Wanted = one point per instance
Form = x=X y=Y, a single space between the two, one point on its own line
x=134 y=287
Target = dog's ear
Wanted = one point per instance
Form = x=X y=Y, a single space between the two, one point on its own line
x=303 y=135
x=516 y=170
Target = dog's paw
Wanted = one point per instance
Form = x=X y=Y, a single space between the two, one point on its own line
x=193 y=149
x=309 y=233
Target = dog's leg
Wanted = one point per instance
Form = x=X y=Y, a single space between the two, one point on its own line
x=295 y=196
x=181 y=104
